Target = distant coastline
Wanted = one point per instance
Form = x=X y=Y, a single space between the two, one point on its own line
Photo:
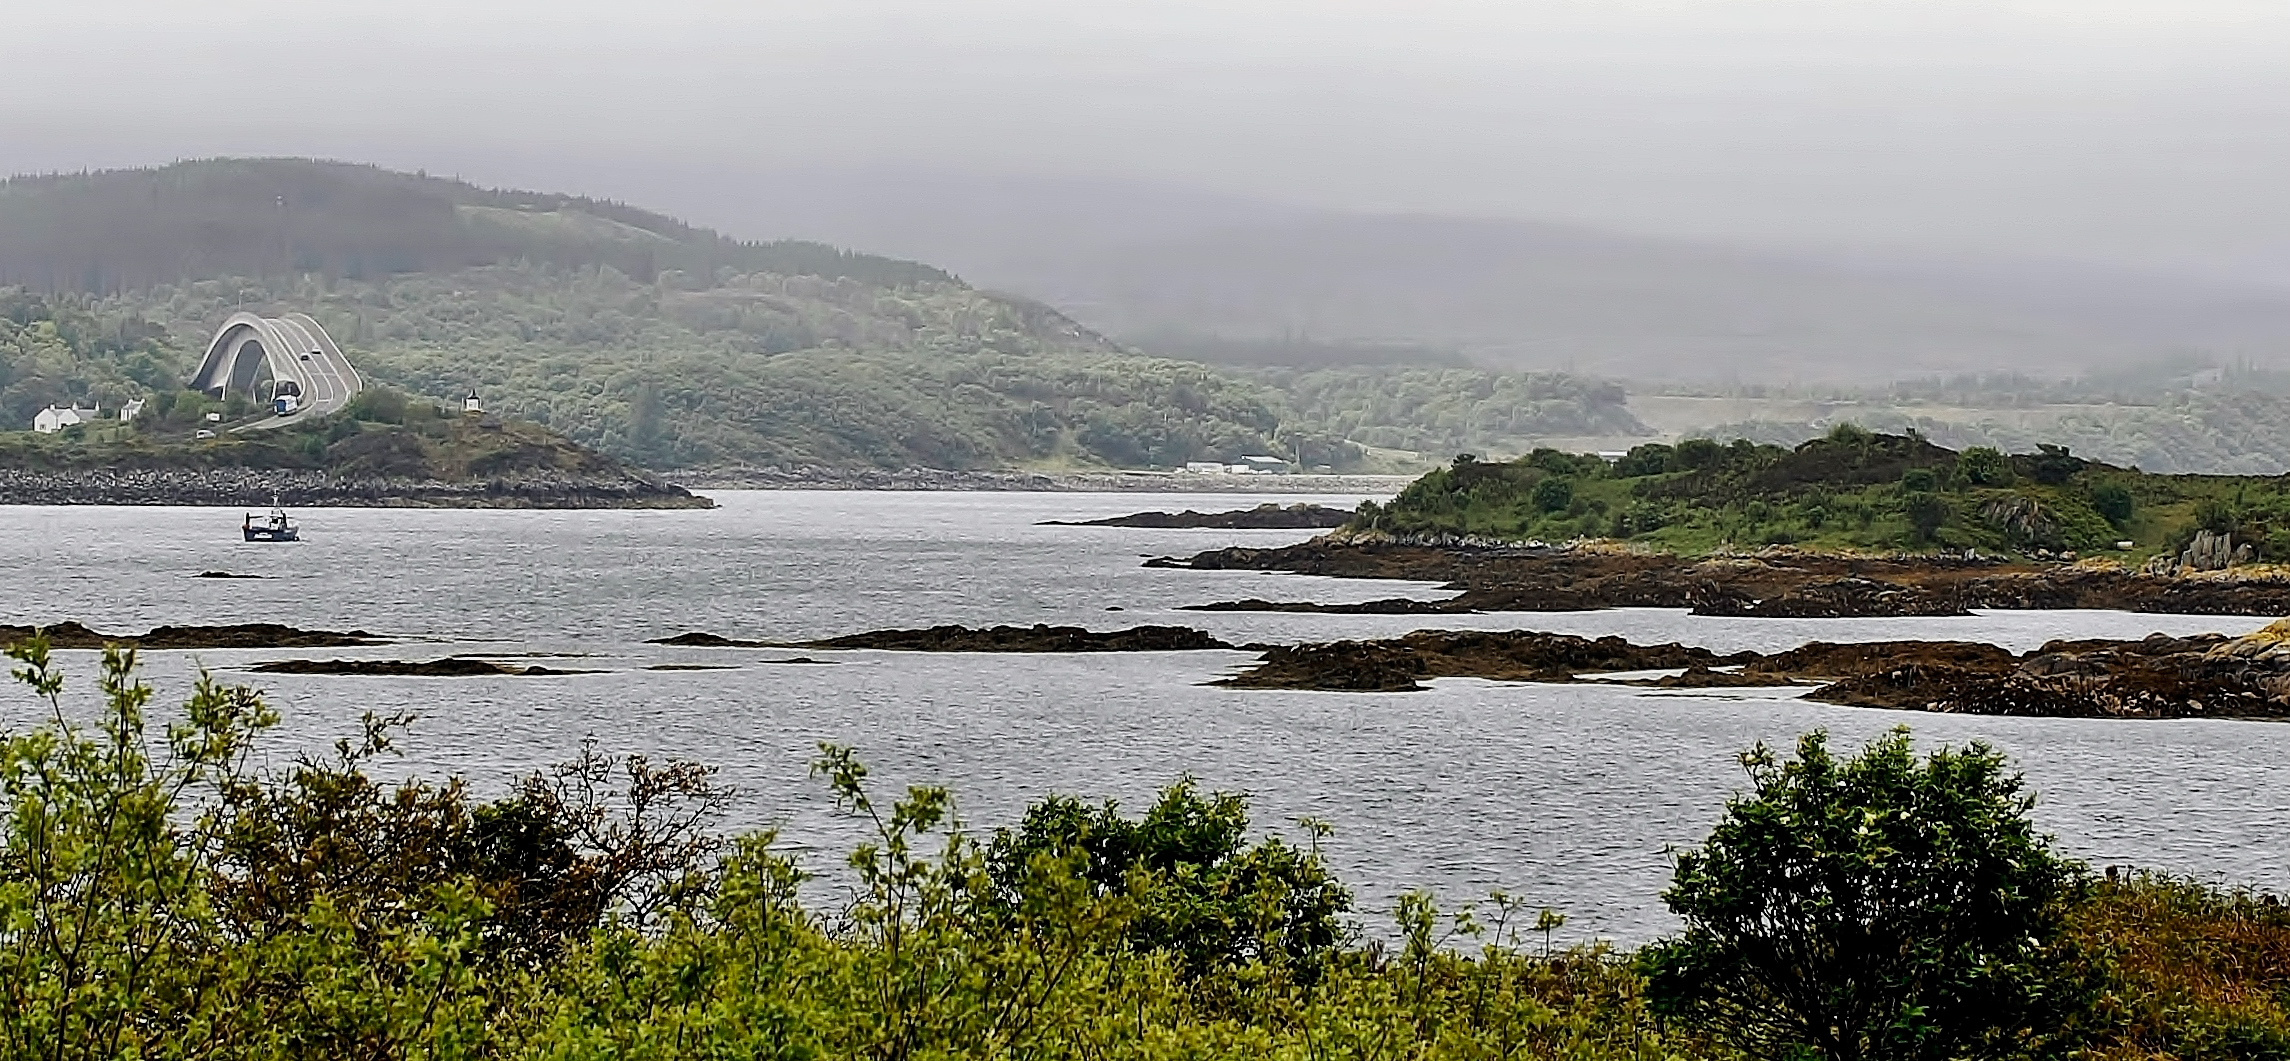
x=768 y=478
x=303 y=488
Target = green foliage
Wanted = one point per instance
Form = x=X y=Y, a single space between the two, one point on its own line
x=1871 y=907
x=2114 y=502
x=1984 y=466
x=177 y=901
x=1553 y=494
x=170 y=896
x=75 y=351
x=1854 y=491
x=1925 y=514
x=1202 y=892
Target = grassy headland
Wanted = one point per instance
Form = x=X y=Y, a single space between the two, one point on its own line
x=382 y=449
x=1852 y=490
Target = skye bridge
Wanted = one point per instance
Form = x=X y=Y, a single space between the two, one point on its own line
x=273 y=358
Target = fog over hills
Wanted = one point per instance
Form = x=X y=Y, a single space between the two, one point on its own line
x=1169 y=268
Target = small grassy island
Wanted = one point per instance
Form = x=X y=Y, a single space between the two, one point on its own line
x=1853 y=491
x=383 y=449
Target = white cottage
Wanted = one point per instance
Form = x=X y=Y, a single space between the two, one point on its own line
x=50 y=420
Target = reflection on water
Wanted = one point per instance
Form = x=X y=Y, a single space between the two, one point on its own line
x=1566 y=794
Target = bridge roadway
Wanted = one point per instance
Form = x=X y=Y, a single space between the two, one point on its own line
x=293 y=347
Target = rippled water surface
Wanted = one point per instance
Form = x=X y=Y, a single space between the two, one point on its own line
x=1566 y=794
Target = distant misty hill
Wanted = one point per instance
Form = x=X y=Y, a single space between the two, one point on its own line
x=123 y=230
x=672 y=345
x=1212 y=276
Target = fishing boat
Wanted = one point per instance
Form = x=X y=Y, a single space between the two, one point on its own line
x=272 y=528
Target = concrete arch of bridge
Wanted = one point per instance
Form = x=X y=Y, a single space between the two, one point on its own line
x=294 y=349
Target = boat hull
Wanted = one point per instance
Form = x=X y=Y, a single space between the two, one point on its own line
x=265 y=534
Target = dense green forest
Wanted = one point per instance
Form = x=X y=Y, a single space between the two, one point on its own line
x=167 y=891
x=1851 y=489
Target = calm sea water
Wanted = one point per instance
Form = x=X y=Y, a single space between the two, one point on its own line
x=1569 y=795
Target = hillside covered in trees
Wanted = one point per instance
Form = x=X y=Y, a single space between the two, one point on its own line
x=670 y=345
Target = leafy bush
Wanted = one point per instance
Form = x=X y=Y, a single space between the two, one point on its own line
x=1984 y=466
x=1203 y=893
x=1876 y=906
x=2113 y=501
x=1554 y=494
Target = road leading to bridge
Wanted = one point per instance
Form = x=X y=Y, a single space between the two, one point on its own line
x=293 y=348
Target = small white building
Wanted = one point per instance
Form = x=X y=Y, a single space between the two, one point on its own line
x=50 y=420
x=1205 y=467
x=131 y=410
x=473 y=403
x=1263 y=465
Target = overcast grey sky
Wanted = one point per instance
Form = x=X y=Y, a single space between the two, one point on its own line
x=2154 y=132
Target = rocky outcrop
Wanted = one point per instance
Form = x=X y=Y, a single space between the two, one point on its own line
x=241 y=635
x=1779 y=583
x=1262 y=517
x=1399 y=664
x=1036 y=638
x=450 y=667
x=299 y=488
x=2214 y=552
x=1848 y=597
x=2210 y=676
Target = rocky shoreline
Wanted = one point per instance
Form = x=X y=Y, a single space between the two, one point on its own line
x=449 y=667
x=1779 y=583
x=242 y=487
x=237 y=635
x=2159 y=677
x=950 y=638
x=1266 y=516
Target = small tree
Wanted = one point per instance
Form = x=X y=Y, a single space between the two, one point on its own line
x=1984 y=466
x=1553 y=494
x=1926 y=513
x=1870 y=907
x=1205 y=894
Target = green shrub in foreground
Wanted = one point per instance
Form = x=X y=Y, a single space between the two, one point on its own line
x=1876 y=906
x=161 y=897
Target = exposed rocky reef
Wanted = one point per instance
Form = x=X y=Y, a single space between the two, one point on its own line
x=239 y=635
x=703 y=639
x=2209 y=676
x=1399 y=664
x=449 y=667
x=951 y=638
x=1267 y=516
x=1036 y=638
x=1778 y=583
